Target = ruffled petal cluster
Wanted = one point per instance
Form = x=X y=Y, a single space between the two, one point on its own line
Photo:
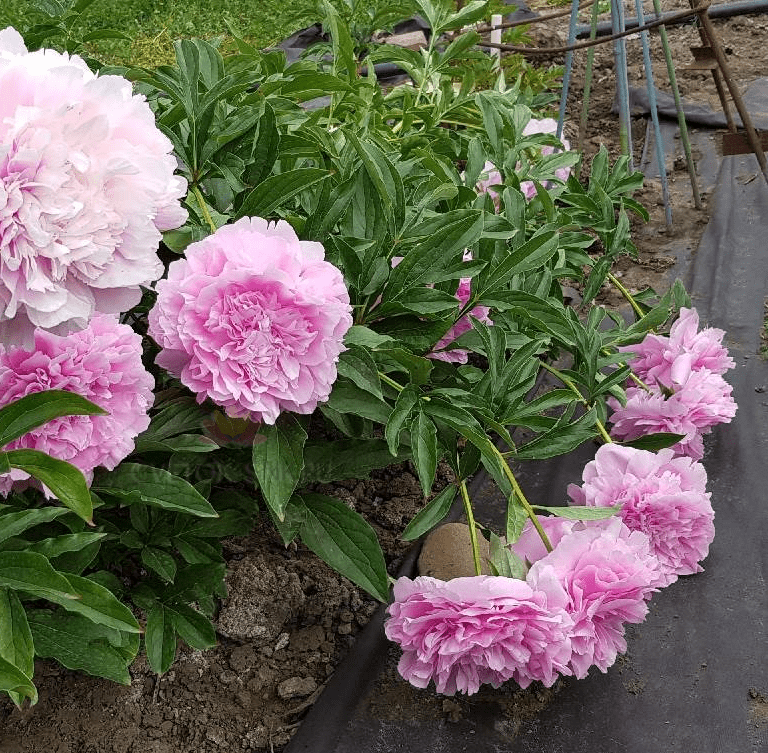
x=253 y=319
x=529 y=546
x=470 y=631
x=101 y=363
x=604 y=573
x=687 y=394
x=87 y=185
x=660 y=495
x=654 y=358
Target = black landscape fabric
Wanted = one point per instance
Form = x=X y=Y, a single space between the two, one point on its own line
x=695 y=677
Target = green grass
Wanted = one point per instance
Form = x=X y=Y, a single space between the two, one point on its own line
x=154 y=24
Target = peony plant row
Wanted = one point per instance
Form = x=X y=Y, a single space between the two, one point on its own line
x=217 y=291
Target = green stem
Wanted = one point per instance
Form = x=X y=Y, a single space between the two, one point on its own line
x=472 y=528
x=573 y=388
x=632 y=302
x=636 y=379
x=391 y=382
x=523 y=501
x=397 y=386
x=204 y=208
x=639 y=382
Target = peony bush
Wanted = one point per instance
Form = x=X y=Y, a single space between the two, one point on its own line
x=215 y=296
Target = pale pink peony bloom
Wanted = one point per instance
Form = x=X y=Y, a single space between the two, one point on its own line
x=603 y=573
x=699 y=401
x=101 y=363
x=549 y=126
x=654 y=358
x=86 y=187
x=662 y=496
x=466 y=632
x=253 y=319
x=463 y=293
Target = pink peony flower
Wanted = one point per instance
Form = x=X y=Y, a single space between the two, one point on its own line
x=699 y=401
x=544 y=125
x=463 y=293
x=469 y=631
x=86 y=186
x=489 y=178
x=662 y=496
x=655 y=357
x=603 y=573
x=253 y=319
x=103 y=364
x=529 y=546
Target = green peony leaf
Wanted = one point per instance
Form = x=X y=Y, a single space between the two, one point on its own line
x=154 y=486
x=278 y=461
x=430 y=515
x=31 y=411
x=346 y=542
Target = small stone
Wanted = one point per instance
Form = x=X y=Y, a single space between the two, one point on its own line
x=344 y=629
x=227 y=677
x=282 y=641
x=411 y=40
x=447 y=553
x=296 y=687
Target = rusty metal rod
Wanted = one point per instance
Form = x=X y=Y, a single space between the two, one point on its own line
x=679 y=15
x=717 y=50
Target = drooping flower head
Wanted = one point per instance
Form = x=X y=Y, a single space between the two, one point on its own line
x=699 y=400
x=466 y=632
x=604 y=573
x=253 y=319
x=529 y=546
x=101 y=363
x=86 y=186
x=686 y=391
x=654 y=358
x=660 y=495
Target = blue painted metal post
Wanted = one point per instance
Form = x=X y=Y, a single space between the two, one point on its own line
x=568 y=67
x=622 y=85
x=654 y=114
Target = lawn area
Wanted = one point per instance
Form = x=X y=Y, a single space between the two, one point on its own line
x=154 y=24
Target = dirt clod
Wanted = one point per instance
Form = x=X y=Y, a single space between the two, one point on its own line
x=296 y=687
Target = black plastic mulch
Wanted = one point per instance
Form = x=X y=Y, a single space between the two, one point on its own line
x=694 y=678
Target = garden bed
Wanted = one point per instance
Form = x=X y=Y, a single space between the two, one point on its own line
x=289 y=619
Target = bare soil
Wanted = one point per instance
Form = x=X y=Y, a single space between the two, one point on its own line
x=288 y=618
